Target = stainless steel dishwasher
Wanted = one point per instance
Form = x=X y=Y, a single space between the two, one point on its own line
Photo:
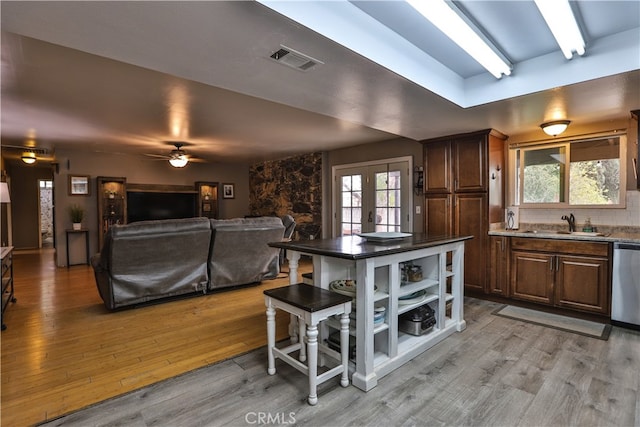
x=625 y=290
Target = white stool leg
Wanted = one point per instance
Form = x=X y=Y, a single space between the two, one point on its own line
x=293 y=329
x=302 y=332
x=271 y=337
x=312 y=364
x=344 y=348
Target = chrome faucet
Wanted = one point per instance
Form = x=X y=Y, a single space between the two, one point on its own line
x=571 y=220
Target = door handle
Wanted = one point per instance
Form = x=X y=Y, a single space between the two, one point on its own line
x=370 y=217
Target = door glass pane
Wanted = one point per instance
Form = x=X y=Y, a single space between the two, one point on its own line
x=351 y=205
x=387 y=196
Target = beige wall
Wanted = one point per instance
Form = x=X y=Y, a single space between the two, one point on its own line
x=628 y=125
x=138 y=170
x=608 y=217
x=365 y=153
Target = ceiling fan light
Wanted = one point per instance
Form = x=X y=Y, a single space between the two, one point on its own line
x=29 y=157
x=555 y=128
x=179 y=161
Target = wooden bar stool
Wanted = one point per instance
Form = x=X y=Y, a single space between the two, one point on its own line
x=311 y=305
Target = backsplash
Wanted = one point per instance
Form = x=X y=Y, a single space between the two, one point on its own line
x=629 y=217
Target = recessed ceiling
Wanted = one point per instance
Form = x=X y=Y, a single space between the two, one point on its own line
x=129 y=76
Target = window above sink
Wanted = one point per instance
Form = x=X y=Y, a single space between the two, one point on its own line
x=585 y=172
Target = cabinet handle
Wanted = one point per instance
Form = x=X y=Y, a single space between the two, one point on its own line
x=557 y=263
x=551 y=263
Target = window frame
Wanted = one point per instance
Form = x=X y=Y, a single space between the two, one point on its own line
x=516 y=164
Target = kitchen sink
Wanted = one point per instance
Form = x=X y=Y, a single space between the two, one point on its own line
x=582 y=233
x=572 y=233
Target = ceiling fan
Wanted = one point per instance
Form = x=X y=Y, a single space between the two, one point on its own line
x=178 y=158
x=28 y=155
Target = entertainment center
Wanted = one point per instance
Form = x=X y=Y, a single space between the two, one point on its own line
x=122 y=203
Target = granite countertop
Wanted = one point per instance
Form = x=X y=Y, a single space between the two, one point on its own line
x=623 y=234
x=356 y=247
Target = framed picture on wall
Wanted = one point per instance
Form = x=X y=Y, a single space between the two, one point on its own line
x=79 y=185
x=228 y=191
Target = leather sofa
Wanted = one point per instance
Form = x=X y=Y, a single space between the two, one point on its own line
x=152 y=260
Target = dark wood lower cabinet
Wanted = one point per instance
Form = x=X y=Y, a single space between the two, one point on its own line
x=567 y=274
x=582 y=283
x=498 y=266
x=470 y=220
x=532 y=276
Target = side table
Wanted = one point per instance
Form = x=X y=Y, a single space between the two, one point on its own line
x=85 y=233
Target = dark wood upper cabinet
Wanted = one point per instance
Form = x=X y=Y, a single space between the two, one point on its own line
x=437 y=155
x=470 y=164
x=464 y=193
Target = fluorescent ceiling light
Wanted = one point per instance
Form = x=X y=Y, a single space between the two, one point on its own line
x=453 y=23
x=563 y=25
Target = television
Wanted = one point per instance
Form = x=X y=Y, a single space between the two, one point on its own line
x=151 y=205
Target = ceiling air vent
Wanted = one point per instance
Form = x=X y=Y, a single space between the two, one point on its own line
x=294 y=59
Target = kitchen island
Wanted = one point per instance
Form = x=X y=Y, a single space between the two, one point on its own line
x=371 y=269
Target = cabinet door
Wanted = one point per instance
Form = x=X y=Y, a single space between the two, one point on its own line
x=498 y=265
x=471 y=220
x=438 y=214
x=532 y=276
x=470 y=163
x=437 y=167
x=112 y=204
x=581 y=283
x=207 y=199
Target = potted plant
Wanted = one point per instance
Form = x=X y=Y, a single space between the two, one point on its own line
x=77 y=214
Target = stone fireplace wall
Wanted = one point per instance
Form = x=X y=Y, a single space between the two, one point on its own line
x=290 y=186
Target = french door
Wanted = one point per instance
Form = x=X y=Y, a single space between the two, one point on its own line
x=372 y=198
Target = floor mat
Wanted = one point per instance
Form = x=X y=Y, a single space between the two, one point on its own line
x=563 y=323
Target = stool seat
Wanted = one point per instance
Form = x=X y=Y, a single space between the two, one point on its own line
x=311 y=305
x=306 y=297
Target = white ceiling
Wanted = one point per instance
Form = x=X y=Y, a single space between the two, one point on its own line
x=133 y=76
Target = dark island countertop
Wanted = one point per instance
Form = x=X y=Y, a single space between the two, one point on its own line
x=356 y=247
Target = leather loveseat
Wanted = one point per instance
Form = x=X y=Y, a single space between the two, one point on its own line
x=150 y=260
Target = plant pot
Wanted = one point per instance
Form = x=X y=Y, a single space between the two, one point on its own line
x=77 y=226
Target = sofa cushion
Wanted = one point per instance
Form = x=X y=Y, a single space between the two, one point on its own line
x=240 y=253
x=156 y=259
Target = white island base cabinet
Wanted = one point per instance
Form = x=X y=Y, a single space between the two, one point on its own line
x=383 y=347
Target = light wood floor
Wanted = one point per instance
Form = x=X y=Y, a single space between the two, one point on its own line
x=498 y=372
x=63 y=350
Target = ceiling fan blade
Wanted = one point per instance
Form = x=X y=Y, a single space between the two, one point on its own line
x=158 y=156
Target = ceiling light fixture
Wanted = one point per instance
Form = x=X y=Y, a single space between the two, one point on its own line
x=29 y=157
x=562 y=23
x=178 y=158
x=555 y=127
x=453 y=23
x=179 y=161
